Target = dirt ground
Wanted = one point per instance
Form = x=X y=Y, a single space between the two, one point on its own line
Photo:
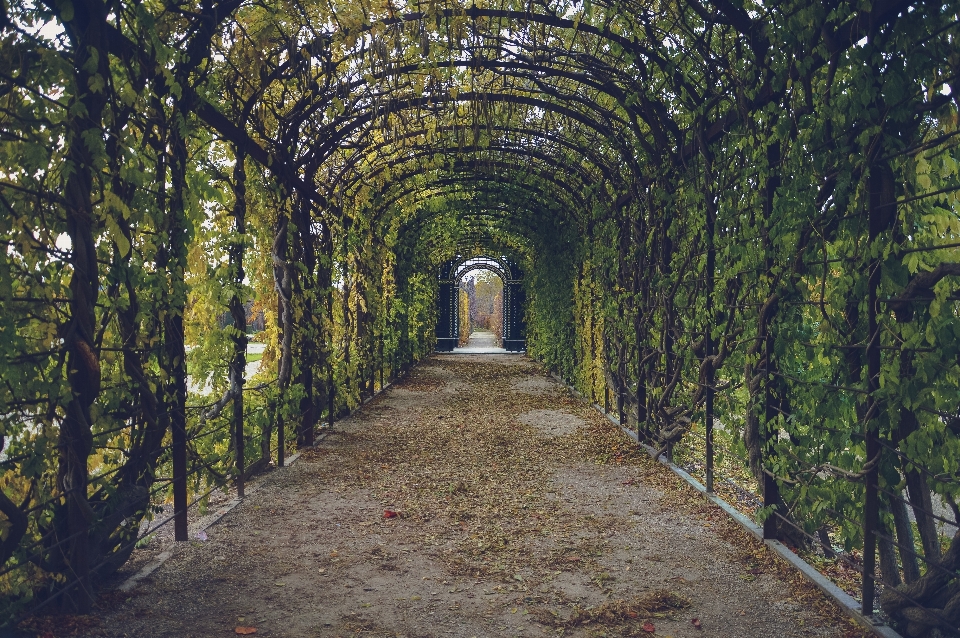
x=520 y=512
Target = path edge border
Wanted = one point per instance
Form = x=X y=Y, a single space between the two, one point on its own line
x=846 y=602
x=158 y=561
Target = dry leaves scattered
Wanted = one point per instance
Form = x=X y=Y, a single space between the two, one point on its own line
x=60 y=625
x=479 y=474
x=474 y=486
x=656 y=604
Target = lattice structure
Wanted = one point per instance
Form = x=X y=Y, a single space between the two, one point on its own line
x=733 y=223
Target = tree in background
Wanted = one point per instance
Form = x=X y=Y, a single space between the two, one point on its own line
x=496 y=319
x=464 y=310
x=485 y=292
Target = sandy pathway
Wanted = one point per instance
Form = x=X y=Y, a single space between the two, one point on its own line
x=522 y=512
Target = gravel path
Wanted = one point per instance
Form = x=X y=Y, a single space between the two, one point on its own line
x=520 y=512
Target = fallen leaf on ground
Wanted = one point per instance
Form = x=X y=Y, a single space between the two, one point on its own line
x=658 y=603
x=245 y=631
x=389 y=514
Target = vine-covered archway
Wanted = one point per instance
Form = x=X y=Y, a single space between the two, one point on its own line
x=728 y=212
x=448 y=300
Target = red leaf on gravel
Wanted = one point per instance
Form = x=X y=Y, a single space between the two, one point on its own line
x=389 y=514
x=696 y=623
x=648 y=627
x=245 y=631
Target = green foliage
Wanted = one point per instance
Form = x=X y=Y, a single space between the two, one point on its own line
x=696 y=196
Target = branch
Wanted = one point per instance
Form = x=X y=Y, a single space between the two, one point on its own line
x=919 y=286
x=18 y=524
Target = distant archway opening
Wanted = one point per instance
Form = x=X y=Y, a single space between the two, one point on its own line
x=513 y=330
x=481 y=307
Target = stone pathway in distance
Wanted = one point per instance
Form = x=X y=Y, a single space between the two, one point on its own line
x=480 y=343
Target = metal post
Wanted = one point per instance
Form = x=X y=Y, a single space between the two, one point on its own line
x=280 y=322
x=621 y=417
x=280 y=435
x=708 y=434
x=178 y=427
x=708 y=344
x=179 y=480
x=238 y=443
x=871 y=505
x=641 y=400
x=332 y=393
x=307 y=424
x=871 y=502
x=771 y=491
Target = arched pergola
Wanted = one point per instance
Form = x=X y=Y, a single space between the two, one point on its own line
x=731 y=211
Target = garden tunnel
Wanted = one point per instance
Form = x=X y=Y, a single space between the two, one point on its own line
x=726 y=212
x=448 y=300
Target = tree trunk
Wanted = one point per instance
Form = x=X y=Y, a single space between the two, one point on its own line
x=238 y=312
x=83 y=362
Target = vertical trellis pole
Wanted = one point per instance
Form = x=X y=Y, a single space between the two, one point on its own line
x=666 y=303
x=638 y=329
x=871 y=504
x=641 y=389
x=239 y=444
x=177 y=236
x=621 y=417
x=284 y=326
x=331 y=386
x=771 y=491
x=708 y=346
x=309 y=345
x=238 y=311
x=280 y=458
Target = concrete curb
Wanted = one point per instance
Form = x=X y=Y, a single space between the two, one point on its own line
x=846 y=602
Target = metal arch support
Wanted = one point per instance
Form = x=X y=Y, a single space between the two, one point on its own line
x=448 y=311
x=448 y=300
